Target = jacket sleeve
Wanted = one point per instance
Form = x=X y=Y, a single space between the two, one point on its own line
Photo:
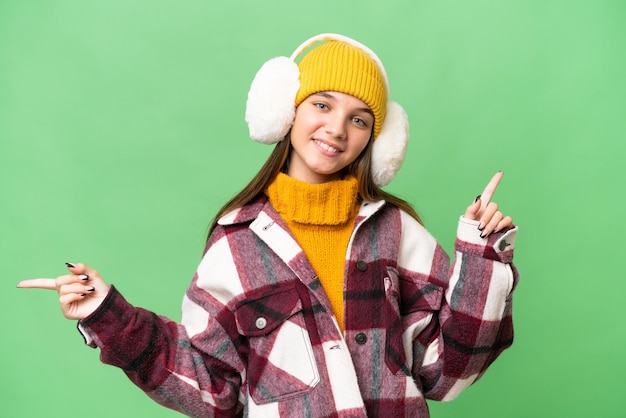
x=473 y=323
x=198 y=376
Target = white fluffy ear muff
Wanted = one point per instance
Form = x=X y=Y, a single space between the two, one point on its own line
x=270 y=109
x=389 y=148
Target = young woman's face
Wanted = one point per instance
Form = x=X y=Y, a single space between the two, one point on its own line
x=330 y=130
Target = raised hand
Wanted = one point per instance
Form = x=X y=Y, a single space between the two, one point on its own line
x=486 y=212
x=80 y=293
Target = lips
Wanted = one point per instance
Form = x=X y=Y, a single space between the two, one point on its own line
x=327 y=147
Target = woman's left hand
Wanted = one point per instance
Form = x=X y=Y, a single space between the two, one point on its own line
x=486 y=212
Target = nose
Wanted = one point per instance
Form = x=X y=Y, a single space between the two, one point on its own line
x=336 y=126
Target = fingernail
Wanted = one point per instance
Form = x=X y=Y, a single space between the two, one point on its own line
x=70 y=265
x=83 y=277
x=477 y=198
x=83 y=294
x=483 y=235
x=481 y=226
x=90 y=288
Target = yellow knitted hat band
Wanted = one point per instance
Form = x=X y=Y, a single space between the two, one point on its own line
x=339 y=66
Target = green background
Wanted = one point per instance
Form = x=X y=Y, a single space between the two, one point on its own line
x=122 y=133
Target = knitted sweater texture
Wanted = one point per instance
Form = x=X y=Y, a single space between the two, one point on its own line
x=321 y=218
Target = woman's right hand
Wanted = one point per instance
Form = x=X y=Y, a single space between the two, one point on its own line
x=80 y=293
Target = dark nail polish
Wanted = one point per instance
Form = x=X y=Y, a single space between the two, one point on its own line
x=483 y=235
x=83 y=294
x=90 y=288
x=83 y=277
x=70 y=265
x=477 y=198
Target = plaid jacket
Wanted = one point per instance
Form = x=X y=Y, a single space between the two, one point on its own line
x=258 y=338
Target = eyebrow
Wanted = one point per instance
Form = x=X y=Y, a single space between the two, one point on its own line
x=328 y=95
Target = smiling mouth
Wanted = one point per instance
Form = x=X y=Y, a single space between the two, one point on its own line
x=327 y=147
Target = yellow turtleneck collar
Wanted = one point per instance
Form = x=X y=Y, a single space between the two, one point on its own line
x=330 y=203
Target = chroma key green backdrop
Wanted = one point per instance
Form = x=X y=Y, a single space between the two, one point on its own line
x=122 y=133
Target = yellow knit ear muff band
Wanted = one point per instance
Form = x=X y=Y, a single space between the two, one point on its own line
x=339 y=66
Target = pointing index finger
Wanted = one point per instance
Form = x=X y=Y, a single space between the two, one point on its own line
x=487 y=194
x=38 y=284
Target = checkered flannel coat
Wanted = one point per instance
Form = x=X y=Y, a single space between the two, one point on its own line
x=258 y=337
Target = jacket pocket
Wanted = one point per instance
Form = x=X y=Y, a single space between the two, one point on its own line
x=411 y=304
x=281 y=363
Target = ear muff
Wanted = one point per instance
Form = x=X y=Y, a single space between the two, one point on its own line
x=270 y=109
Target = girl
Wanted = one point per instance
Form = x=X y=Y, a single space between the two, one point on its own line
x=319 y=294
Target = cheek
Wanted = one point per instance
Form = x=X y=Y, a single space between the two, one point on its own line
x=298 y=127
x=304 y=119
x=363 y=140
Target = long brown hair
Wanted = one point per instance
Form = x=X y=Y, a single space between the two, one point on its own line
x=278 y=161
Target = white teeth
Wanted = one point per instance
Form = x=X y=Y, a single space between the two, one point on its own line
x=327 y=147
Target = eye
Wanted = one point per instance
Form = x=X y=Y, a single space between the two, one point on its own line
x=359 y=122
x=321 y=106
x=362 y=122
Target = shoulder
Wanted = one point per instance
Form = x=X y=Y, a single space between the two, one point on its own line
x=387 y=218
x=236 y=220
x=244 y=214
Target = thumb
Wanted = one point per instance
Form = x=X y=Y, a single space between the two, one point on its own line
x=472 y=210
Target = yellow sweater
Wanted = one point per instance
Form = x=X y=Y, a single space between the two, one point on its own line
x=321 y=217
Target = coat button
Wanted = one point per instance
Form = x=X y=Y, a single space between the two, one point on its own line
x=260 y=322
x=502 y=245
x=360 y=338
x=361 y=265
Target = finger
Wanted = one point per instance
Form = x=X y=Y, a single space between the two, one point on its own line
x=492 y=224
x=38 y=284
x=66 y=300
x=472 y=210
x=82 y=269
x=506 y=222
x=490 y=189
x=72 y=278
x=487 y=214
x=75 y=288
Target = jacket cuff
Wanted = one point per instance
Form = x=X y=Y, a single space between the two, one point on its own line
x=107 y=319
x=498 y=247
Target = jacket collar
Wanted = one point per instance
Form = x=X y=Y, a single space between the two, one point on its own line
x=251 y=211
x=245 y=213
